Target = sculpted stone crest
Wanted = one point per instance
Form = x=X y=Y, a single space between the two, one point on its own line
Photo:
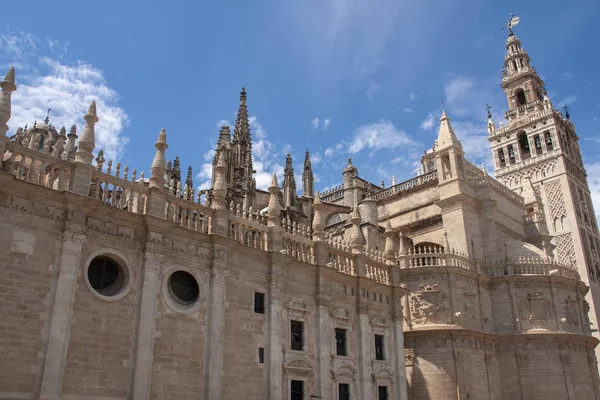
x=427 y=304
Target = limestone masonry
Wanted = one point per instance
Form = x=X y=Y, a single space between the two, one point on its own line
x=451 y=285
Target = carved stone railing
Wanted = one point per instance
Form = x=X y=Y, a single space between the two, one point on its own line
x=514 y=125
x=431 y=257
x=248 y=232
x=404 y=186
x=341 y=260
x=533 y=160
x=188 y=214
x=118 y=192
x=378 y=272
x=333 y=194
x=489 y=181
x=527 y=266
x=37 y=167
x=300 y=248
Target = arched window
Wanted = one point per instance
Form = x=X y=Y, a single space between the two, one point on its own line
x=524 y=145
x=333 y=219
x=521 y=100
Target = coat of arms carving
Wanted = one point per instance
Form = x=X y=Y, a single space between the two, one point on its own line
x=427 y=304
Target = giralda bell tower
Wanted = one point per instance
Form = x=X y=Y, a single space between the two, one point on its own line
x=540 y=143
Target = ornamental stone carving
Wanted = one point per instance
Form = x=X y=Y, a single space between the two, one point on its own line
x=427 y=304
x=153 y=258
x=379 y=325
x=535 y=308
x=297 y=310
x=342 y=318
x=76 y=238
x=298 y=369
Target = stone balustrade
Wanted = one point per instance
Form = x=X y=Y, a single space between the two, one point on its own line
x=38 y=166
x=404 y=186
x=53 y=167
x=527 y=266
x=188 y=214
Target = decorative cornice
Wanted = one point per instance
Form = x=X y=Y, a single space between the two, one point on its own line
x=70 y=237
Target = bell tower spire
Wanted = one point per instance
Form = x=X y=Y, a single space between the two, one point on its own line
x=538 y=152
x=241 y=157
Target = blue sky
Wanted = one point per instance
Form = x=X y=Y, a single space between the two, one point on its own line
x=360 y=79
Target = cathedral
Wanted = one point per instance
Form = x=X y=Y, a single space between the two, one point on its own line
x=454 y=284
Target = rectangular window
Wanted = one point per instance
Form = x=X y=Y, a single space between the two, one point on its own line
x=259 y=303
x=261 y=355
x=340 y=342
x=344 y=391
x=297 y=390
x=382 y=392
x=297 y=329
x=379 y=355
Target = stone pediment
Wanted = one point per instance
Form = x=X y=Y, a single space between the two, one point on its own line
x=379 y=325
x=342 y=317
x=297 y=309
x=298 y=368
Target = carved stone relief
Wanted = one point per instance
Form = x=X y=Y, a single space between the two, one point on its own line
x=297 y=310
x=427 y=304
x=535 y=308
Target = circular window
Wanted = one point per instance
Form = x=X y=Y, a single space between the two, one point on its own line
x=106 y=276
x=183 y=288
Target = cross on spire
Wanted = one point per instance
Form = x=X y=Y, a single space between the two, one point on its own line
x=511 y=23
x=489 y=110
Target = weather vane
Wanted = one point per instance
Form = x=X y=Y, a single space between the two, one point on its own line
x=489 y=110
x=442 y=103
x=511 y=23
x=566 y=110
x=47 y=117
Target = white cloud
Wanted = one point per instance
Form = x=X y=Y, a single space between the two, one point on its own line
x=567 y=75
x=342 y=40
x=378 y=135
x=223 y=122
x=323 y=124
x=18 y=44
x=412 y=97
x=428 y=123
x=68 y=90
x=66 y=87
x=329 y=152
x=593 y=171
x=567 y=101
x=373 y=90
x=408 y=110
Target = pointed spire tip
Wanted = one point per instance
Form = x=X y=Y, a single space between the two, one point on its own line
x=10 y=79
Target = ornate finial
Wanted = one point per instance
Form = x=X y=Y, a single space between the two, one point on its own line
x=512 y=22
x=9 y=80
x=47 y=120
x=443 y=104
x=489 y=111
x=566 y=111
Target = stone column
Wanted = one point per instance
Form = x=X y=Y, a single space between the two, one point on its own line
x=397 y=345
x=274 y=336
x=59 y=332
x=213 y=366
x=323 y=340
x=145 y=344
x=365 y=357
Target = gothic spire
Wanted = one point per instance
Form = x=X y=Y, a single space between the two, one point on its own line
x=289 y=183
x=308 y=181
x=446 y=136
x=241 y=132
